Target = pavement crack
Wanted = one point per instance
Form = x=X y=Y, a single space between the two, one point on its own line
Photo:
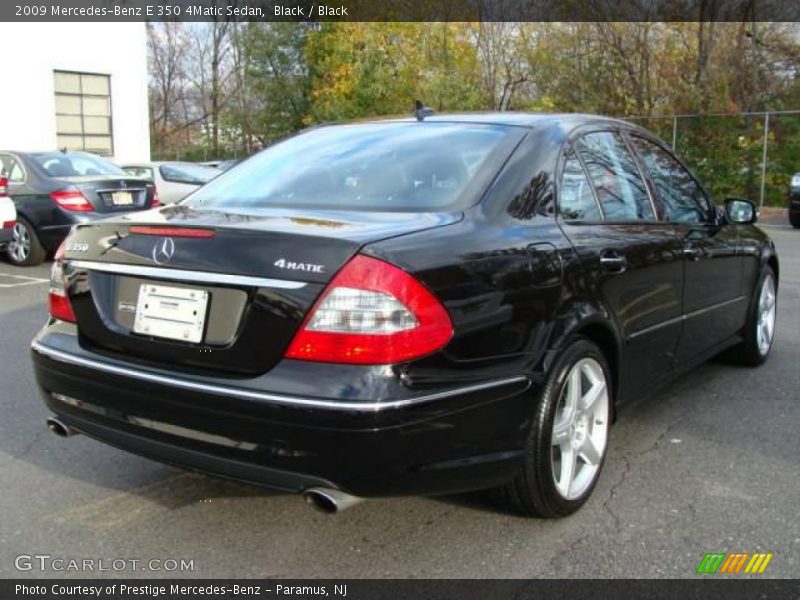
x=612 y=493
x=568 y=551
x=10 y=458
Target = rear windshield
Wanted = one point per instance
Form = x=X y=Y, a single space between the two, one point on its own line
x=379 y=167
x=60 y=164
x=187 y=173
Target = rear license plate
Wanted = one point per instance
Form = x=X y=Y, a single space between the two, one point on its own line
x=170 y=312
x=121 y=198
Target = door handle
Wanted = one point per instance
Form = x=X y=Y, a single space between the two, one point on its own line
x=613 y=262
x=692 y=252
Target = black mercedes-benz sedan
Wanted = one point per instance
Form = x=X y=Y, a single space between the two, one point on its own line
x=406 y=307
x=53 y=191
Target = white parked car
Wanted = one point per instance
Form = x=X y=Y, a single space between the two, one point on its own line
x=174 y=180
x=8 y=213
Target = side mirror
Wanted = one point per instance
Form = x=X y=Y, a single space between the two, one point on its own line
x=741 y=211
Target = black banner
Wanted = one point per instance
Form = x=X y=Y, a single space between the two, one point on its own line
x=358 y=589
x=399 y=10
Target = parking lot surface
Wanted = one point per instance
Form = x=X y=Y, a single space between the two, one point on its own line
x=710 y=464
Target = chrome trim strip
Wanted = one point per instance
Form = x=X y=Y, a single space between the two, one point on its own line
x=267 y=397
x=685 y=317
x=197 y=277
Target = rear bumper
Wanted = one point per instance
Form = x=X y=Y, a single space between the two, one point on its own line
x=433 y=442
x=59 y=223
x=51 y=236
x=5 y=235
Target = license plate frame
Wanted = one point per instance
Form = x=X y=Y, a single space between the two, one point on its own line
x=172 y=313
x=122 y=198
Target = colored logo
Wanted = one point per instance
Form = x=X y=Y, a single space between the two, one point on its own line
x=734 y=563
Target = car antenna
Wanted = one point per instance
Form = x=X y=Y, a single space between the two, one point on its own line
x=421 y=111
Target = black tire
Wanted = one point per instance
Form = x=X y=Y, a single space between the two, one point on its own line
x=534 y=492
x=31 y=252
x=795 y=220
x=749 y=352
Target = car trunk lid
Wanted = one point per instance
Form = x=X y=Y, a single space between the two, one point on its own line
x=110 y=194
x=213 y=290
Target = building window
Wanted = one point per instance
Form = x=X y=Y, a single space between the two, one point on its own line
x=83 y=112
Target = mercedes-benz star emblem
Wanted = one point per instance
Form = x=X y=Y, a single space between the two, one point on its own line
x=163 y=251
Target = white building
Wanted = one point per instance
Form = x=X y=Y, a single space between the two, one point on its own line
x=82 y=86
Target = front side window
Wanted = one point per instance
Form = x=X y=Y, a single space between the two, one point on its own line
x=618 y=183
x=393 y=166
x=83 y=112
x=576 y=201
x=683 y=199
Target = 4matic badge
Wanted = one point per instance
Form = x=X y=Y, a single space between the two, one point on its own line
x=290 y=265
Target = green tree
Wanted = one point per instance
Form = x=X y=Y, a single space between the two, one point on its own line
x=275 y=80
x=367 y=69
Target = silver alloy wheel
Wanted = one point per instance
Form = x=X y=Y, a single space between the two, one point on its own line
x=580 y=429
x=765 y=325
x=19 y=248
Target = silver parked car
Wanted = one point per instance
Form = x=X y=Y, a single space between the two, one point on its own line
x=174 y=180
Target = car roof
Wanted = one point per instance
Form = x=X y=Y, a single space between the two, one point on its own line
x=511 y=118
x=48 y=152
x=157 y=163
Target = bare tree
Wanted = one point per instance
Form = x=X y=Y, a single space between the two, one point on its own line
x=504 y=69
x=212 y=75
x=168 y=49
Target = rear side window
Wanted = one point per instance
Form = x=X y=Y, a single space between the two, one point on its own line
x=11 y=168
x=618 y=183
x=683 y=199
x=401 y=166
x=188 y=173
x=576 y=200
x=16 y=175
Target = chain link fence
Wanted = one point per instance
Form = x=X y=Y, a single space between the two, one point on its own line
x=749 y=154
x=199 y=154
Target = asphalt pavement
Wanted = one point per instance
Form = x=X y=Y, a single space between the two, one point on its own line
x=710 y=464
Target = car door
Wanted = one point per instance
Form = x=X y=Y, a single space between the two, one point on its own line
x=632 y=259
x=714 y=303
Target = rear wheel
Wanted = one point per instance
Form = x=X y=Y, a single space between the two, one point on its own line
x=759 y=330
x=567 y=443
x=24 y=249
x=794 y=219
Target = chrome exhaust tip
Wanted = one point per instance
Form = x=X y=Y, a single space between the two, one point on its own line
x=59 y=428
x=328 y=500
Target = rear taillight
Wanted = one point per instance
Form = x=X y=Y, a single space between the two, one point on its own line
x=156 y=201
x=3 y=187
x=372 y=313
x=71 y=199
x=9 y=224
x=60 y=306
